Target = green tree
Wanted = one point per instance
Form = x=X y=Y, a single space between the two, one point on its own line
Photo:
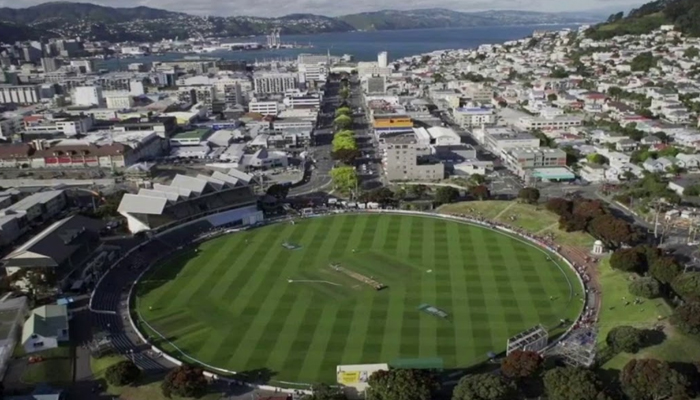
x=184 y=381
x=402 y=384
x=477 y=179
x=483 y=387
x=342 y=122
x=122 y=373
x=346 y=155
x=643 y=62
x=343 y=111
x=687 y=285
x=567 y=383
x=344 y=140
x=521 y=364
x=625 y=338
x=596 y=158
x=417 y=190
x=691 y=52
x=615 y=92
x=325 y=392
x=446 y=194
x=649 y=379
x=646 y=287
x=344 y=93
x=344 y=178
x=529 y=195
x=480 y=192
x=425 y=59
x=552 y=97
x=687 y=318
x=665 y=269
x=628 y=260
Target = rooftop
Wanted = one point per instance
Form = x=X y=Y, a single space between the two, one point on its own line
x=200 y=134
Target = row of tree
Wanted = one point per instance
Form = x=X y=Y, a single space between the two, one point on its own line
x=344 y=147
x=593 y=217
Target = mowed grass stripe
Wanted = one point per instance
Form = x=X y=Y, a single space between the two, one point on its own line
x=238 y=311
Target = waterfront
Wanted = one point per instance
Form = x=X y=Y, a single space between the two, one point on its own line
x=364 y=46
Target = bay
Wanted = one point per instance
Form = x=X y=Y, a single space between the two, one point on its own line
x=363 y=46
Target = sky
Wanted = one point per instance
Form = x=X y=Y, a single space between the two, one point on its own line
x=274 y=8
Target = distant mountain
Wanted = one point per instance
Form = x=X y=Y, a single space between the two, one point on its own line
x=439 y=17
x=683 y=14
x=66 y=19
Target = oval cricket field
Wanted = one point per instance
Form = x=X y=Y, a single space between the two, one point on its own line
x=296 y=300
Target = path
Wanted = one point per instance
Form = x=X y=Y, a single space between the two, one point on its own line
x=503 y=211
x=546 y=228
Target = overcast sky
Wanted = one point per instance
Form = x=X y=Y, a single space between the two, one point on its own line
x=335 y=7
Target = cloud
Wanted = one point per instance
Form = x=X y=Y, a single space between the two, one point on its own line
x=272 y=8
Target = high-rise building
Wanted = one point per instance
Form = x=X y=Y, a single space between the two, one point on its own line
x=275 y=82
x=88 y=96
x=383 y=59
x=50 y=64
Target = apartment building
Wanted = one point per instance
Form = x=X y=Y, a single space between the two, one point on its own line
x=16 y=94
x=520 y=160
x=271 y=83
x=411 y=162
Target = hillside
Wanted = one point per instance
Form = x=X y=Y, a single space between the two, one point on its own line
x=683 y=14
x=90 y=21
x=443 y=18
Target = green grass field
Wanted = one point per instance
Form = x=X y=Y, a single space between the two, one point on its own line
x=231 y=303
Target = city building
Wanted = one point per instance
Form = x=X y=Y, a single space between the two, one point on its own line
x=118 y=100
x=411 y=162
x=498 y=139
x=69 y=125
x=374 y=84
x=20 y=94
x=545 y=123
x=264 y=107
x=50 y=64
x=194 y=137
x=389 y=124
x=88 y=96
x=520 y=160
x=383 y=59
x=471 y=116
x=272 y=83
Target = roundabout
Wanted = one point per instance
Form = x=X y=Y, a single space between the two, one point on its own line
x=293 y=301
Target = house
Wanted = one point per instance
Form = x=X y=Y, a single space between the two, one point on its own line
x=626 y=145
x=46 y=328
x=691 y=161
x=657 y=165
x=681 y=185
x=650 y=140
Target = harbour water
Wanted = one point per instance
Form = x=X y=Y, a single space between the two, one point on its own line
x=364 y=46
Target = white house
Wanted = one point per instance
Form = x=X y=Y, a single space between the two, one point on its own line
x=46 y=328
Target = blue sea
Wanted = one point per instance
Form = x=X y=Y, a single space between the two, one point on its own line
x=364 y=46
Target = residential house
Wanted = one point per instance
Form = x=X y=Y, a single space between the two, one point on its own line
x=682 y=184
x=661 y=164
x=626 y=145
x=46 y=328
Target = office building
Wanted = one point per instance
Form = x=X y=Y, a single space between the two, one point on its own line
x=118 y=100
x=50 y=64
x=84 y=66
x=264 y=107
x=88 y=96
x=20 y=94
x=520 y=160
x=195 y=94
x=271 y=83
x=374 y=84
x=383 y=59
x=471 y=116
x=410 y=162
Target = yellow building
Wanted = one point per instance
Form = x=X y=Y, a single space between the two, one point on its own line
x=385 y=124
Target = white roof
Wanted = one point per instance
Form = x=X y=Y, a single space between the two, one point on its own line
x=225 y=178
x=240 y=175
x=182 y=192
x=217 y=183
x=157 y=193
x=132 y=203
x=422 y=134
x=443 y=132
x=196 y=185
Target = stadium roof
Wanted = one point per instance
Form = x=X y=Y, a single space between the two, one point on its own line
x=196 y=185
x=140 y=204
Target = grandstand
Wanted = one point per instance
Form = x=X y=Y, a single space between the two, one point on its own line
x=189 y=197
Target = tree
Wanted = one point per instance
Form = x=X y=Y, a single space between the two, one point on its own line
x=446 y=195
x=343 y=111
x=344 y=93
x=521 y=364
x=646 y=287
x=325 y=392
x=691 y=52
x=344 y=178
x=278 y=191
x=483 y=387
x=649 y=379
x=425 y=59
x=612 y=230
x=417 y=190
x=643 y=62
x=480 y=192
x=628 y=260
x=615 y=92
x=665 y=269
x=477 y=179
x=687 y=285
x=566 y=383
x=596 y=158
x=122 y=373
x=343 y=122
x=552 y=97
x=184 y=381
x=559 y=206
x=625 y=338
x=687 y=318
x=529 y=195
x=346 y=156
x=344 y=140
x=402 y=384
x=382 y=195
